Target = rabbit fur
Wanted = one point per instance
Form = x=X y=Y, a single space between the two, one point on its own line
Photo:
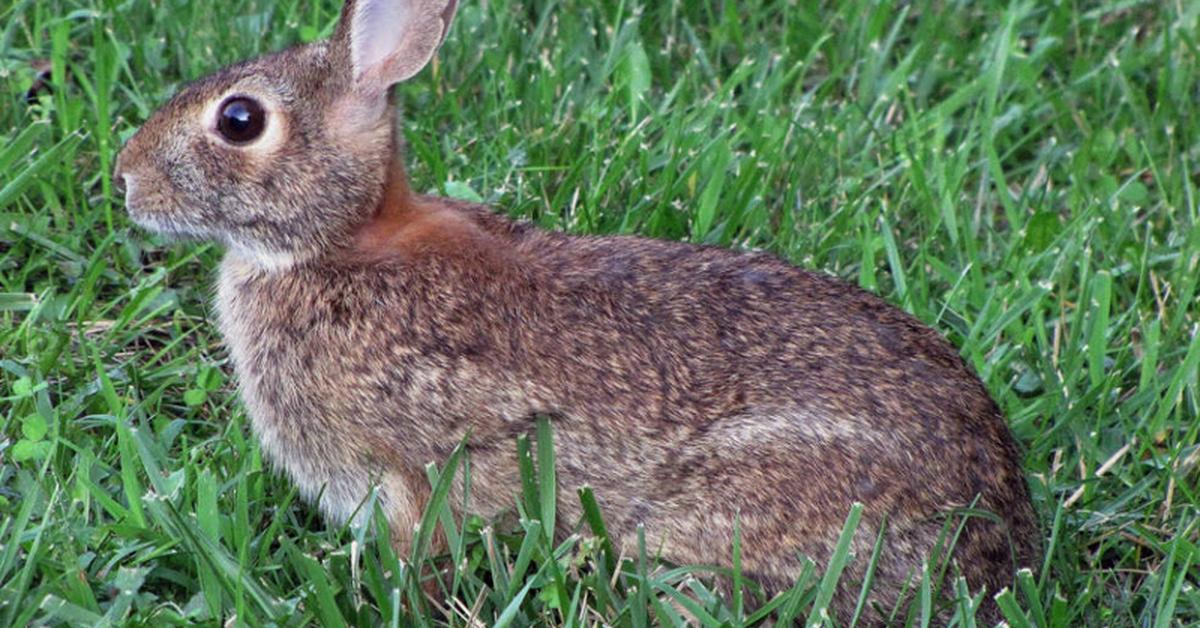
x=371 y=328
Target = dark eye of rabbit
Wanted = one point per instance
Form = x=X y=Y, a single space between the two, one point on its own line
x=241 y=120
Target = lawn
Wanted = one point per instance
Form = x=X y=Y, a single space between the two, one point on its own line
x=1020 y=175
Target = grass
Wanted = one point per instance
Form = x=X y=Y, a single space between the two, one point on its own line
x=1020 y=175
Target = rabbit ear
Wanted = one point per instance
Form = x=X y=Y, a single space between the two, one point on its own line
x=388 y=41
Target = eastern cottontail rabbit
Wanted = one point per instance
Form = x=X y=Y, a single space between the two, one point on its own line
x=371 y=328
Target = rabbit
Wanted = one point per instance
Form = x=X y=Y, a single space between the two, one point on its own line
x=371 y=328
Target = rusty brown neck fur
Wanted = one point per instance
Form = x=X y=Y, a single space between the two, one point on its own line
x=407 y=225
x=402 y=222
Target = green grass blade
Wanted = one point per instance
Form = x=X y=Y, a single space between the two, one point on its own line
x=547 y=479
x=837 y=563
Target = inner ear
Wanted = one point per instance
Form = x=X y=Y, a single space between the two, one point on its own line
x=388 y=41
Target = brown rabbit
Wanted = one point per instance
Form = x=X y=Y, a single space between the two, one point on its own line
x=371 y=328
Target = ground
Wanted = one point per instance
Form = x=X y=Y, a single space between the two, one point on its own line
x=1021 y=176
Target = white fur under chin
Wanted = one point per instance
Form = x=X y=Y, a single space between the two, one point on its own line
x=270 y=261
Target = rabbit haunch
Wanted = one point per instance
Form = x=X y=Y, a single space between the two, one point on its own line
x=371 y=329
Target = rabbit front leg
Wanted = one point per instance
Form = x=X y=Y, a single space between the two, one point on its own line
x=404 y=495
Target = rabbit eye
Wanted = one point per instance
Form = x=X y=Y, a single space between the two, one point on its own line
x=241 y=120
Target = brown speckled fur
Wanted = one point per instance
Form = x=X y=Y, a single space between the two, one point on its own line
x=371 y=329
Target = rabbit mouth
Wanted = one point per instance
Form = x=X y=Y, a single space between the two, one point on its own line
x=156 y=218
x=152 y=212
x=171 y=228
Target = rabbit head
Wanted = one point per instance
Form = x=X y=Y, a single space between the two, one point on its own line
x=281 y=157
